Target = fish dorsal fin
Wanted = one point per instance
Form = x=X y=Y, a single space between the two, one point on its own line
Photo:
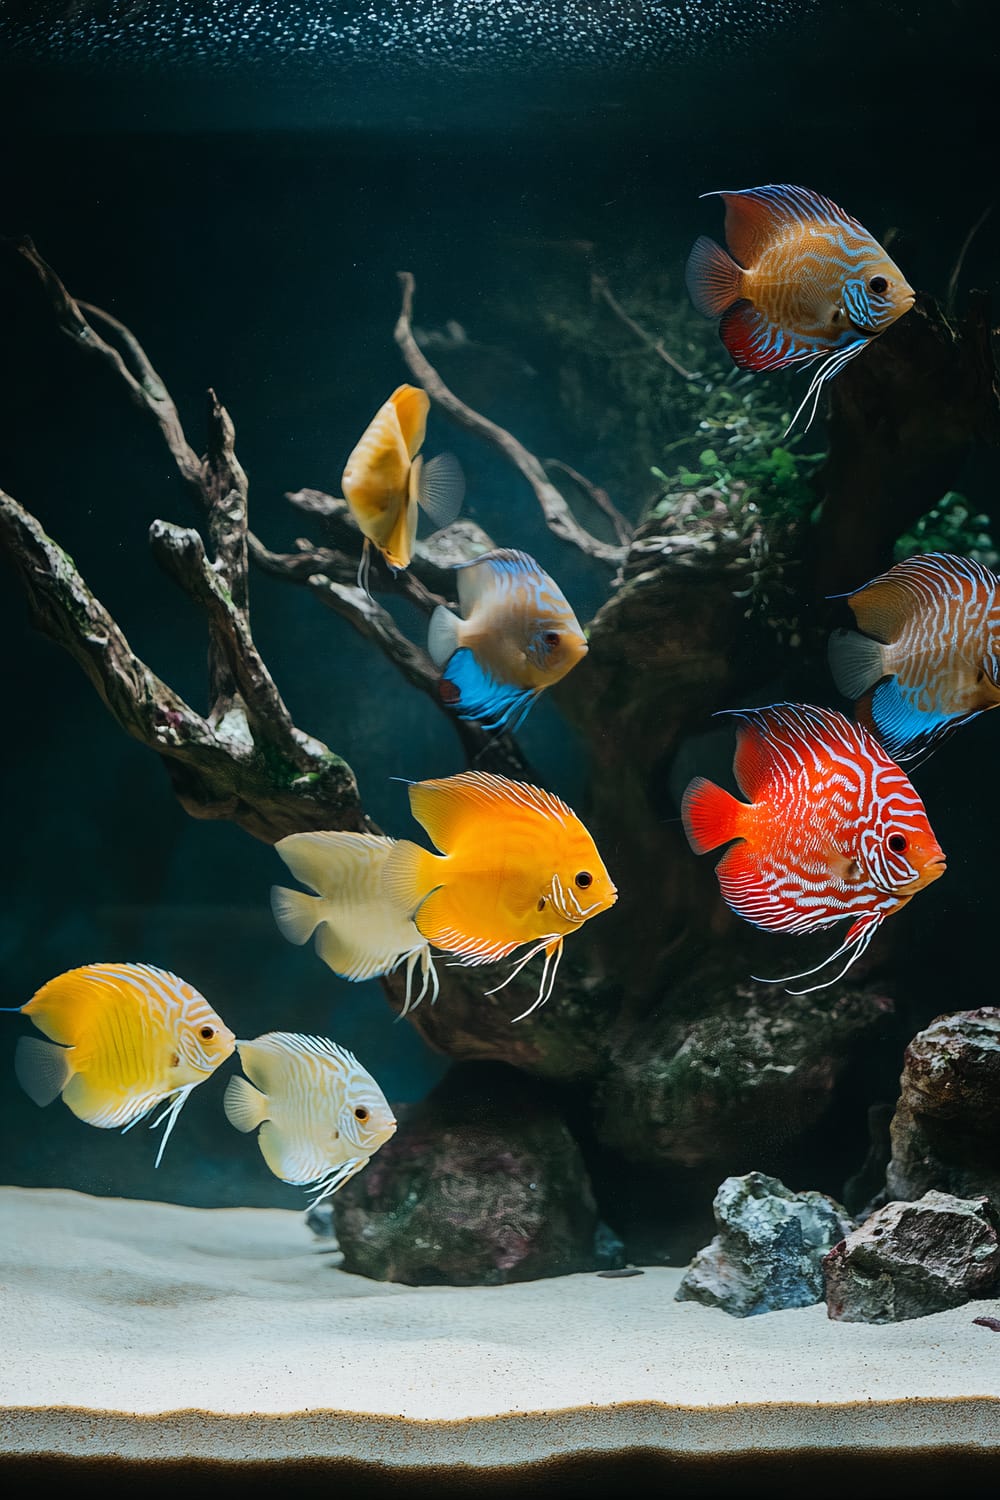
x=773 y=740
x=883 y=607
x=458 y=804
x=326 y=860
x=756 y=217
x=265 y=1059
x=62 y=1008
x=484 y=576
x=412 y=405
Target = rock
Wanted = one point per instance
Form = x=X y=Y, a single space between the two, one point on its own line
x=769 y=1250
x=750 y=1071
x=910 y=1259
x=482 y=1184
x=946 y=1129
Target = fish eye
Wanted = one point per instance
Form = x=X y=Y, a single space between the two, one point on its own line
x=361 y=1113
x=551 y=639
x=878 y=285
x=584 y=879
x=206 y=1033
x=896 y=842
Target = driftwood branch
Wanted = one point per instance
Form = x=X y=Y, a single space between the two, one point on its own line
x=238 y=677
x=218 y=767
x=599 y=288
x=597 y=496
x=558 y=516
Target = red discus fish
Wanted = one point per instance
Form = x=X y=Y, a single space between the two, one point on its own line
x=808 y=282
x=929 y=658
x=834 y=829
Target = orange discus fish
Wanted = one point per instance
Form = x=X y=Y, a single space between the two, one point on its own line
x=130 y=1037
x=929 y=657
x=808 y=282
x=516 y=867
x=834 y=829
x=386 y=479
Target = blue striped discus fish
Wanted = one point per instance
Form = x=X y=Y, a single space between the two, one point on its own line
x=518 y=635
x=808 y=283
x=125 y=1039
x=833 y=829
x=321 y=1114
x=929 y=657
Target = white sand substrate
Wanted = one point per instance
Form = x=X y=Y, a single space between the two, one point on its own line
x=149 y=1330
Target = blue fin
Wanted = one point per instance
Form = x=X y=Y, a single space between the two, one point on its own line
x=474 y=694
x=905 y=730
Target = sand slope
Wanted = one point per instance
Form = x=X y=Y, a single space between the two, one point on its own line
x=230 y=1332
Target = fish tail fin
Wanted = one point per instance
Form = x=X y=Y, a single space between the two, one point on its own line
x=443 y=635
x=711 y=815
x=856 y=662
x=296 y=914
x=714 y=280
x=440 y=487
x=43 y=1069
x=245 y=1106
x=410 y=874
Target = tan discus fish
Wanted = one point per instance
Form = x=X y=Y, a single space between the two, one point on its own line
x=385 y=480
x=926 y=655
x=360 y=933
x=517 y=636
x=321 y=1114
x=126 y=1038
x=802 y=282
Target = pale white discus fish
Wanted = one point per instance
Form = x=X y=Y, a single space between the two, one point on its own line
x=321 y=1114
x=360 y=931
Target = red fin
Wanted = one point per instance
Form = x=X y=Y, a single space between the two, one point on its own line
x=744 y=890
x=714 y=280
x=711 y=815
x=753 y=765
x=748 y=335
x=756 y=217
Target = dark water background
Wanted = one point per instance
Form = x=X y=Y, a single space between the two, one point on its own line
x=244 y=208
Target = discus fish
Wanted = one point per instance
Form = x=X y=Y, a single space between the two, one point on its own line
x=385 y=480
x=321 y=1114
x=834 y=829
x=808 y=282
x=131 y=1037
x=516 y=867
x=518 y=636
x=359 y=935
x=929 y=658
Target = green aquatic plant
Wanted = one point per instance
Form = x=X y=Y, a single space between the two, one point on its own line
x=737 y=461
x=950 y=527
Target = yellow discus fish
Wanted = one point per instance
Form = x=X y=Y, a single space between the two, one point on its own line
x=517 y=867
x=386 y=479
x=125 y=1039
x=321 y=1114
x=359 y=934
